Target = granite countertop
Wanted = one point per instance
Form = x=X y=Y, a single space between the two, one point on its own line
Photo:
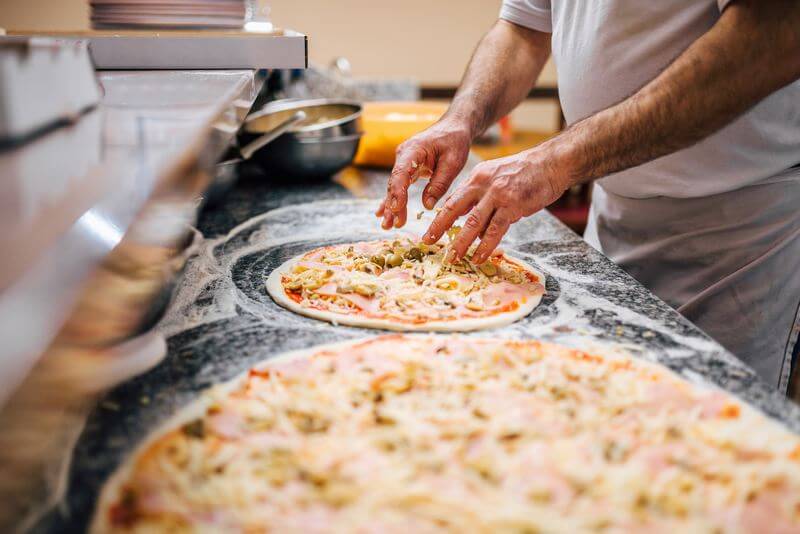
x=222 y=322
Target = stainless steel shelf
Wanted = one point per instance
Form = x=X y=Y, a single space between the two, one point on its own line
x=125 y=178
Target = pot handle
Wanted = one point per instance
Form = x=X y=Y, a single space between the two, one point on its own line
x=260 y=142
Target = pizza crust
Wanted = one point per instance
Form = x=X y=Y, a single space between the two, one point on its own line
x=111 y=489
x=468 y=324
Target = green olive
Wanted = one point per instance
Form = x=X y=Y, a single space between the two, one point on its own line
x=378 y=260
x=194 y=429
x=414 y=254
x=394 y=260
x=488 y=268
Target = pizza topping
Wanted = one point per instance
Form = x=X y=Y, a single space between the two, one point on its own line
x=394 y=260
x=488 y=268
x=408 y=281
x=195 y=429
x=410 y=434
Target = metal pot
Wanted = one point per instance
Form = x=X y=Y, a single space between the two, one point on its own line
x=319 y=146
x=226 y=171
x=308 y=158
x=326 y=117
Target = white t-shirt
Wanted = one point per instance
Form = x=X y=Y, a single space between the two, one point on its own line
x=606 y=51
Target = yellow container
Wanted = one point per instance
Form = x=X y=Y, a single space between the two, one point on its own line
x=387 y=124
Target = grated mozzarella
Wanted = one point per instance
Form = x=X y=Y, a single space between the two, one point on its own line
x=431 y=434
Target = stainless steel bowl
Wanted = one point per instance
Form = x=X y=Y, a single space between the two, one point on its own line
x=319 y=146
x=325 y=117
x=307 y=158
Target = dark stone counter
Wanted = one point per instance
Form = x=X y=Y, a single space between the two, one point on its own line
x=221 y=321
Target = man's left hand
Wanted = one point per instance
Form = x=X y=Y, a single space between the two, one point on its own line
x=497 y=194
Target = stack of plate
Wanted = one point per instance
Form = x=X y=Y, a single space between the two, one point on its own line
x=171 y=13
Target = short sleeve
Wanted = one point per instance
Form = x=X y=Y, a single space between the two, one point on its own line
x=533 y=14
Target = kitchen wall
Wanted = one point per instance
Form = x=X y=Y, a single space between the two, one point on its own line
x=429 y=40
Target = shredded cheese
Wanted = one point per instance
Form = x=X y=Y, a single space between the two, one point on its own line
x=407 y=282
x=431 y=434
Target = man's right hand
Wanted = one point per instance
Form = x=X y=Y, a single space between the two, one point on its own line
x=438 y=153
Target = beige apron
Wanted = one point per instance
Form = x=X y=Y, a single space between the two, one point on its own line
x=730 y=262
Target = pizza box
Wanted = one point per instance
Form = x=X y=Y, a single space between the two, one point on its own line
x=257 y=46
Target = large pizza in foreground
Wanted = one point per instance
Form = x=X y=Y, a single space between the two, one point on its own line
x=403 y=285
x=429 y=434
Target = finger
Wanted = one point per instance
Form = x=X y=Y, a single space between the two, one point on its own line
x=495 y=231
x=379 y=212
x=400 y=179
x=447 y=168
x=388 y=220
x=459 y=203
x=400 y=218
x=477 y=220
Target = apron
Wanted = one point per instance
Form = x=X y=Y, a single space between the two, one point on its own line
x=730 y=263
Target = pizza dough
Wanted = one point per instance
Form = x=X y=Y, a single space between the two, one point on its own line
x=403 y=285
x=404 y=433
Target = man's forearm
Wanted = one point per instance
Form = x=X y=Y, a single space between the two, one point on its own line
x=752 y=51
x=503 y=68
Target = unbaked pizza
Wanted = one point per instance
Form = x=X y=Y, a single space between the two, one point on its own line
x=405 y=285
x=433 y=434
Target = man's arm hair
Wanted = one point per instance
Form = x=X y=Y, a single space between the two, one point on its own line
x=751 y=52
x=502 y=70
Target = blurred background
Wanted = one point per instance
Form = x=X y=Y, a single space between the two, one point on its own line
x=421 y=43
x=420 y=39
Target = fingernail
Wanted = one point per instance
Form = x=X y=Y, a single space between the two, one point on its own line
x=397 y=223
x=430 y=202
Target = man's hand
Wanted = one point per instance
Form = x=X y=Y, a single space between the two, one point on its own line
x=502 y=70
x=438 y=153
x=497 y=194
x=719 y=77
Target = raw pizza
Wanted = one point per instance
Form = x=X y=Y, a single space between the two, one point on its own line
x=404 y=285
x=454 y=434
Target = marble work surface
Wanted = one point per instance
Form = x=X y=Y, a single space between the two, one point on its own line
x=221 y=321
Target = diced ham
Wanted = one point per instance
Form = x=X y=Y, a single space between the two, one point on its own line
x=227 y=424
x=763 y=514
x=370 y=305
x=658 y=458
x=369 y=248
x=327 y=289
x=506 y=293
x=292 y=368
x=316 y=255
x=665 y=397
x=312 y=519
